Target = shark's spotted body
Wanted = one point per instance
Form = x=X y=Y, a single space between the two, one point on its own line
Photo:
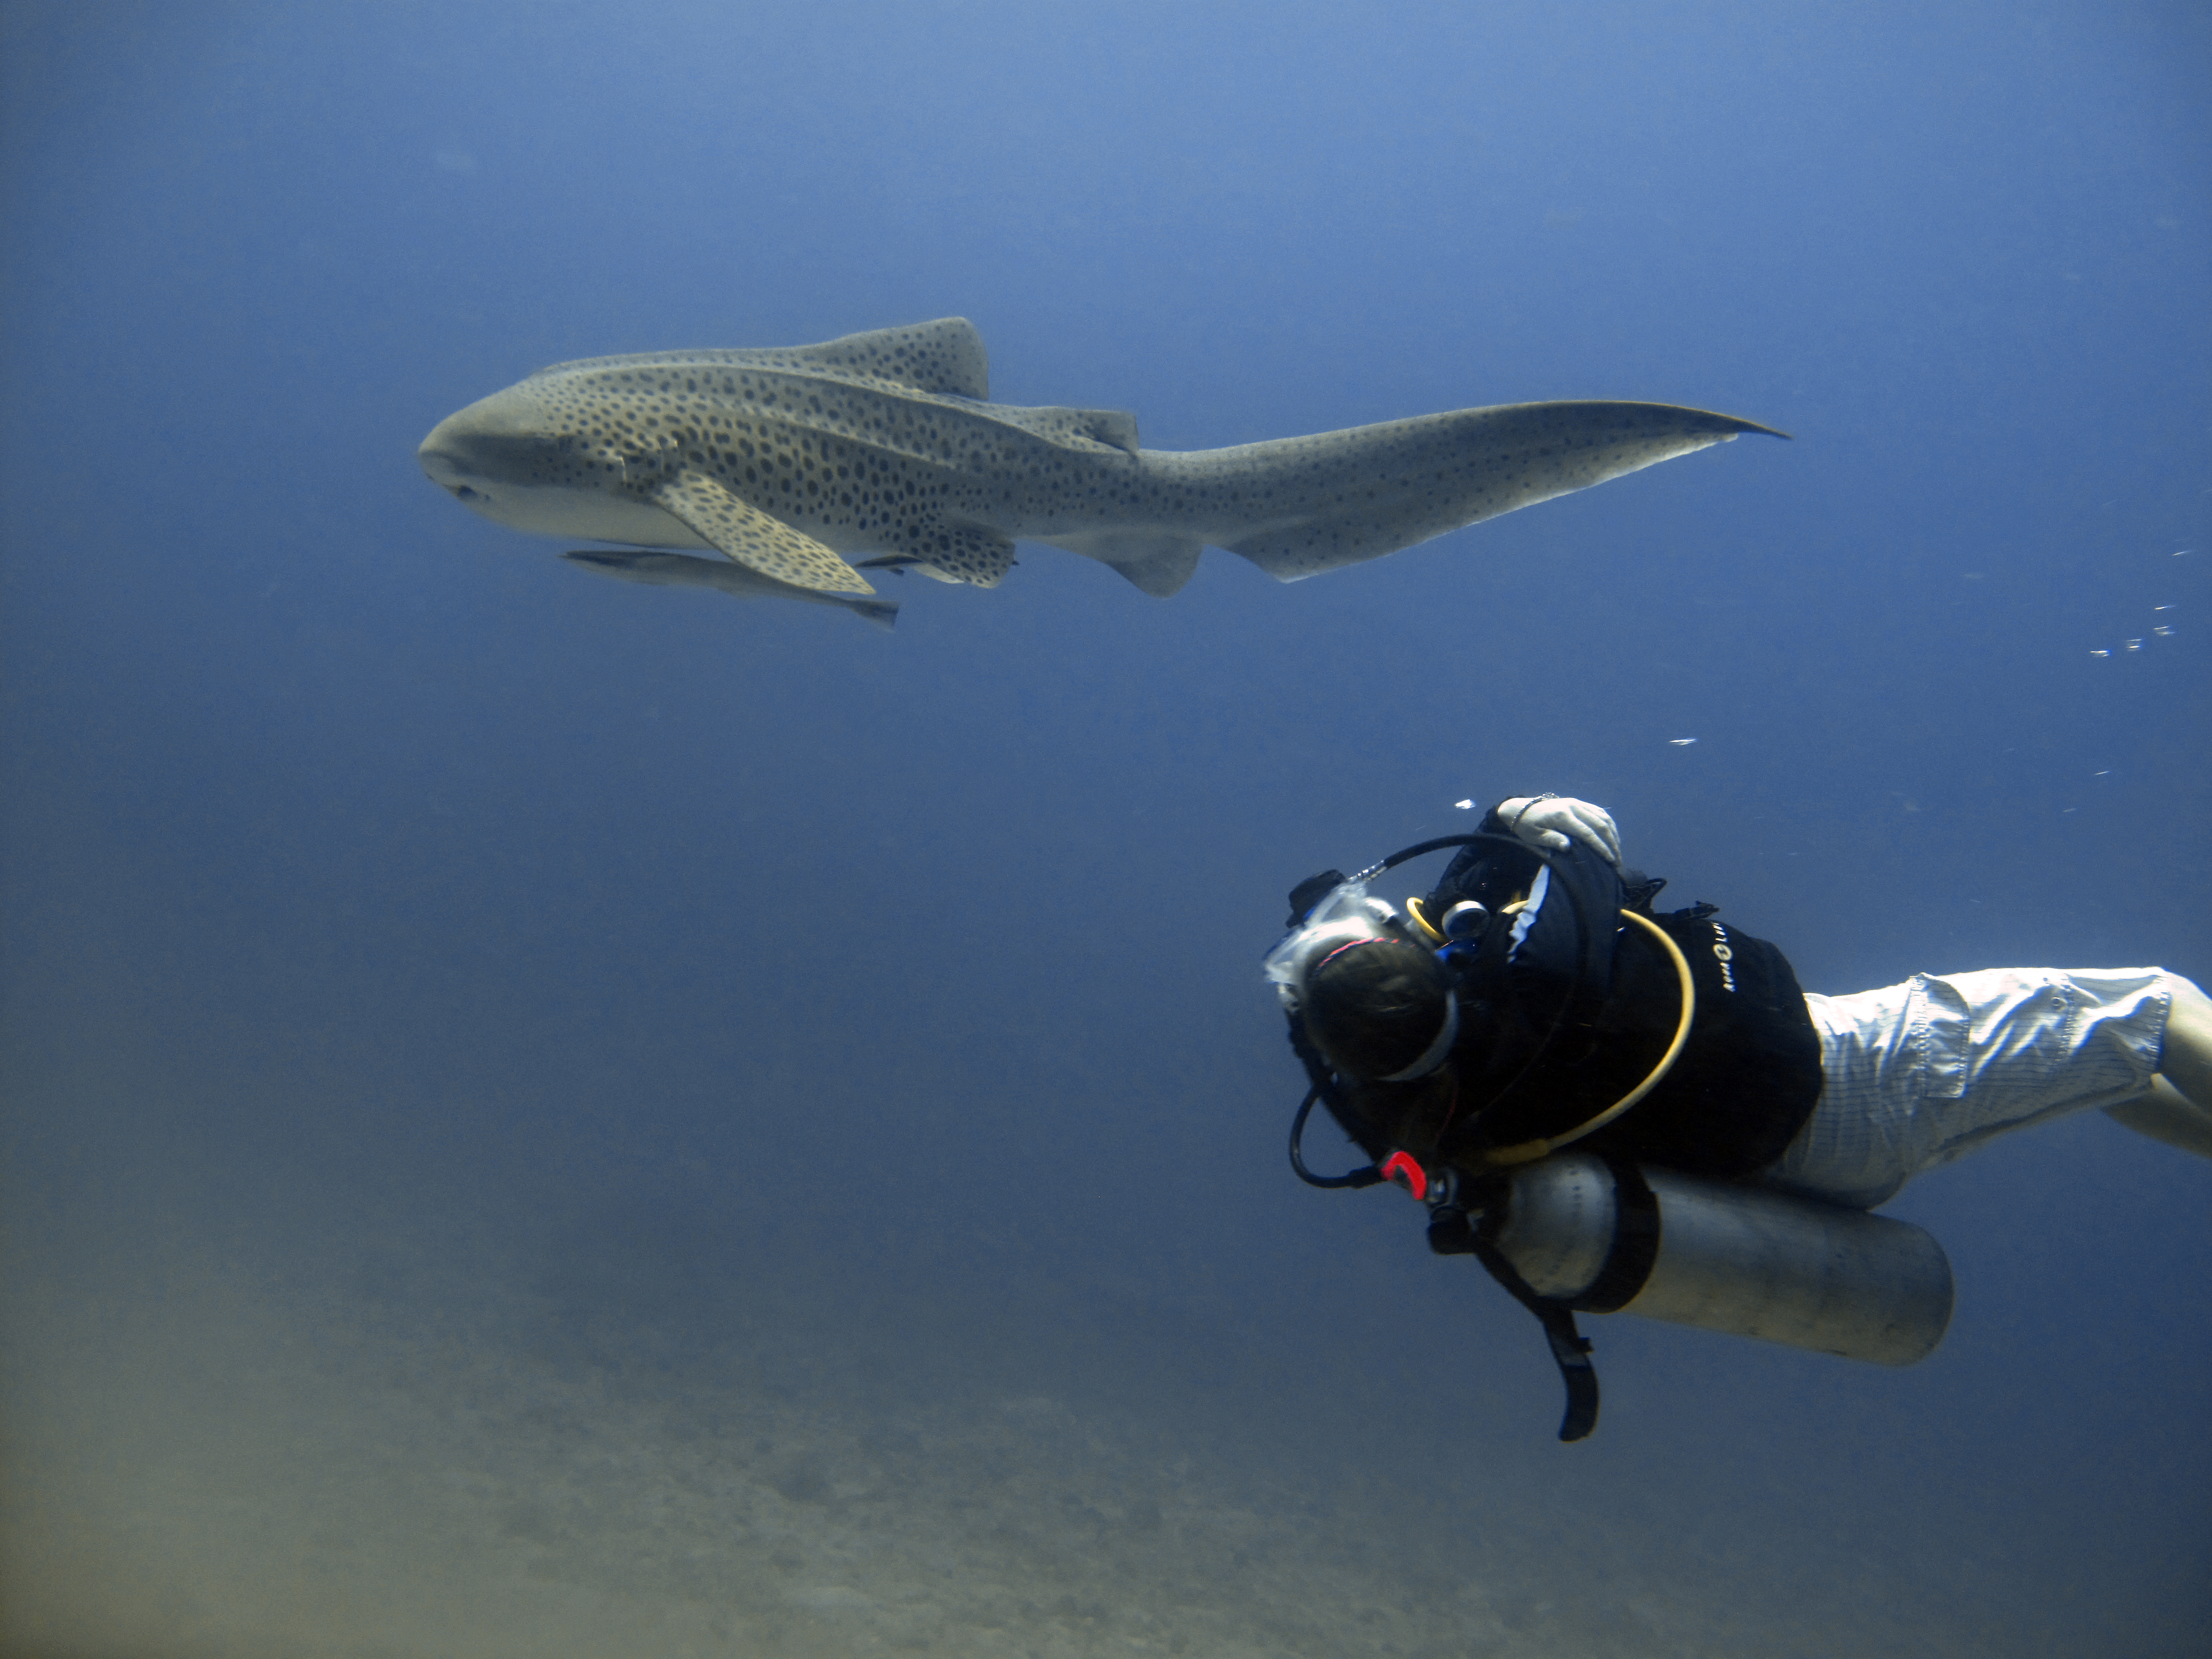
x=786 y=460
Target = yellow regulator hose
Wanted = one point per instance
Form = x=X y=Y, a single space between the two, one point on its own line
x=1528 y=1152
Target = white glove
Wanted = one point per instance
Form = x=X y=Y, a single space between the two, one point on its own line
x=1547 y=824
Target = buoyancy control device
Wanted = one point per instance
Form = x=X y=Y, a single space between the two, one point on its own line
x=1565 y=1230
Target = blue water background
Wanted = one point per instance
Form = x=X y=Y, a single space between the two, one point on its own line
x=372 y=876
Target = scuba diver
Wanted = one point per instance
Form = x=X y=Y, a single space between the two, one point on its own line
x=1615 y=1108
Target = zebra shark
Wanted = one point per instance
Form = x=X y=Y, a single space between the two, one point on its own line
x=785 y=460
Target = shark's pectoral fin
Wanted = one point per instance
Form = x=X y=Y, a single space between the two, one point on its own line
x=757 y=540
x=1159 y=562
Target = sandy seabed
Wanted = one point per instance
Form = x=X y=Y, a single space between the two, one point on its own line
x=209 y=1461
x=231 y=1476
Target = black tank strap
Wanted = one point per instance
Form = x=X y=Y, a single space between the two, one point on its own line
x=1635 y=1242
x=1570 y=1350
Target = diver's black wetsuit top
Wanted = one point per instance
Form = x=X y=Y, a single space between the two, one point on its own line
x=1535 y=1056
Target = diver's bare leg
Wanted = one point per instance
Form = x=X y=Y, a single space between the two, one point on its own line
x=2164 y=1113
x=2186 y=1060
x=2177 y=1107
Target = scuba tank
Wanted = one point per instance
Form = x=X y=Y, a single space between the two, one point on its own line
x=1745 y=1260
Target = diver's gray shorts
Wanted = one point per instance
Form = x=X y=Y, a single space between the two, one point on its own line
x=1917 y=1074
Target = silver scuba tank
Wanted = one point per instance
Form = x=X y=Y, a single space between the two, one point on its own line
x=1745 y=1260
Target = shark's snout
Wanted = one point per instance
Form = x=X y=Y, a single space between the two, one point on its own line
x=455 y=457
x=441 y=453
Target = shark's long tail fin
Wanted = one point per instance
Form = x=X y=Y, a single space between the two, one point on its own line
x=1337 y=498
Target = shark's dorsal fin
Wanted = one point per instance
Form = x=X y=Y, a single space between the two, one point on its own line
x=945 y=356
x=1113 y=427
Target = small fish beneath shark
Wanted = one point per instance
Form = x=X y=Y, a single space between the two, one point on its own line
x=785 y=460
